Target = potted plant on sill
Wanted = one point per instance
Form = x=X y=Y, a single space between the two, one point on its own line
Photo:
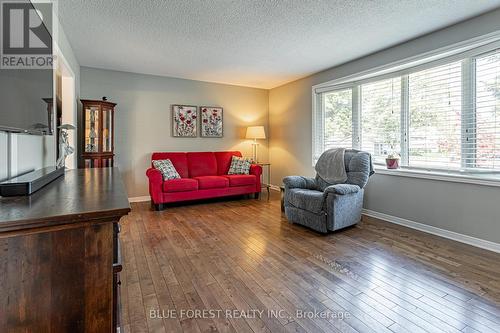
x=392 y=161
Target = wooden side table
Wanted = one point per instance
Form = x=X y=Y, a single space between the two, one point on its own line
x=268 y=184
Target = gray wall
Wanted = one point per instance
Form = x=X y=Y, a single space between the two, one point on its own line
x=143 y=117
x=463 y=208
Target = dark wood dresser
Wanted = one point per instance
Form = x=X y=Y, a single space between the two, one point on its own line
x=60 y=257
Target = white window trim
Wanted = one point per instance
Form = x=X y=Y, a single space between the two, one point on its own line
x=470 y=48
x=487 y=180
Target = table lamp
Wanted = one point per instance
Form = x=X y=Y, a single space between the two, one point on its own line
x=255 y=132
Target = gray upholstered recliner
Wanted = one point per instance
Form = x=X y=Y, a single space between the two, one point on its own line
x=324 y=207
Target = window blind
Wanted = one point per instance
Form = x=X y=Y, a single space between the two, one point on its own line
x=336 y=121
x=444 y=116
x=435 y=110
x=381 y=118
x=483 y=139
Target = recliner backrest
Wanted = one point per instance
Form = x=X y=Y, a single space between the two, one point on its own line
x=358 y=166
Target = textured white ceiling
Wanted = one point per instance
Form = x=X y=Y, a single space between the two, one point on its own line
x=257 y=43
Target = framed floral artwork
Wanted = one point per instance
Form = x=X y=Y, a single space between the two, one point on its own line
x=212 y=125
x=184 y=121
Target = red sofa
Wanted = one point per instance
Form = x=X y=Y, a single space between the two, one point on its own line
x=203 y=175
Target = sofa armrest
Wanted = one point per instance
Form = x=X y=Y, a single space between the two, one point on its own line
x=155 y=184
x=342 y=189
x=256 y=170
x=154 y=175
x=300 y=182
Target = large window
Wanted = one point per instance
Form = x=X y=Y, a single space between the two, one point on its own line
x=338 y=119
x=437 y=116
x=381 y=118
x=485 y=141
x=334 y=122
x=435 y=102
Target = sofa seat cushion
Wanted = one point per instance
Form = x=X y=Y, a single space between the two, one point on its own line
x=180 y=185
x=310 y=200
x=205 y=182
x=241 y=180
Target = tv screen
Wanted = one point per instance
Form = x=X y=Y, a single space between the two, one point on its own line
x=26 y=91
x=26 y=101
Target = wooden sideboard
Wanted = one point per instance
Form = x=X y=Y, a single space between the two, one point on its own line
x=59 y=255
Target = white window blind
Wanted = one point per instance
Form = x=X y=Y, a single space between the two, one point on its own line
x=381 y=118
x=435 y=108
x=442 y=116
x=337 y=120
x=485 y=139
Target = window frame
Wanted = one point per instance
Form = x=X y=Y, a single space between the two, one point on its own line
x=467 y=52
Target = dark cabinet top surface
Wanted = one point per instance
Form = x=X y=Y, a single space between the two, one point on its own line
x=78 y=196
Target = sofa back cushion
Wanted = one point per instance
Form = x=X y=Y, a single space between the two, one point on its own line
x=202 y=164
x=179 y=160
x=224 y=160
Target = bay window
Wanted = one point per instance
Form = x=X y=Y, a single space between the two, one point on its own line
x=438 y=116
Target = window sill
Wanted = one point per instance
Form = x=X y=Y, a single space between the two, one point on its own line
x=486 y=180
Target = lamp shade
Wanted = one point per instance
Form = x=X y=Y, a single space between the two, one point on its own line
x=256 y=132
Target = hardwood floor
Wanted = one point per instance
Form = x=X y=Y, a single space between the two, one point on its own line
x=252 y=271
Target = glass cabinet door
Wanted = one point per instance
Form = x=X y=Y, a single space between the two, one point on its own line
x=92 y=129
x=107 y=130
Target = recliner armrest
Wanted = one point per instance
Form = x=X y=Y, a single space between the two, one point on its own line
x=342 y=189
x=300 y=182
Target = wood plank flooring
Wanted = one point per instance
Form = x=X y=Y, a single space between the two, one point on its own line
x=251 y=271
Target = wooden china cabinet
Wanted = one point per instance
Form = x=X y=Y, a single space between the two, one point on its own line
x=97 y=134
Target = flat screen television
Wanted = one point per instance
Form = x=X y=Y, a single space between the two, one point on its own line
x=27 y=96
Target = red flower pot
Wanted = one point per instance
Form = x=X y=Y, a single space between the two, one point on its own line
x=392 y=163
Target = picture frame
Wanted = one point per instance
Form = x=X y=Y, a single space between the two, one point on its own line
x=184 y=121
x=211 y=121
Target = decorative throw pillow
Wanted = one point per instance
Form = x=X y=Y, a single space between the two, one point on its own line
x=167 y=169
x=239 y=166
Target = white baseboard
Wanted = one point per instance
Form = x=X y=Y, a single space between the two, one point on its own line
x=477 y=242
x=140 y=199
